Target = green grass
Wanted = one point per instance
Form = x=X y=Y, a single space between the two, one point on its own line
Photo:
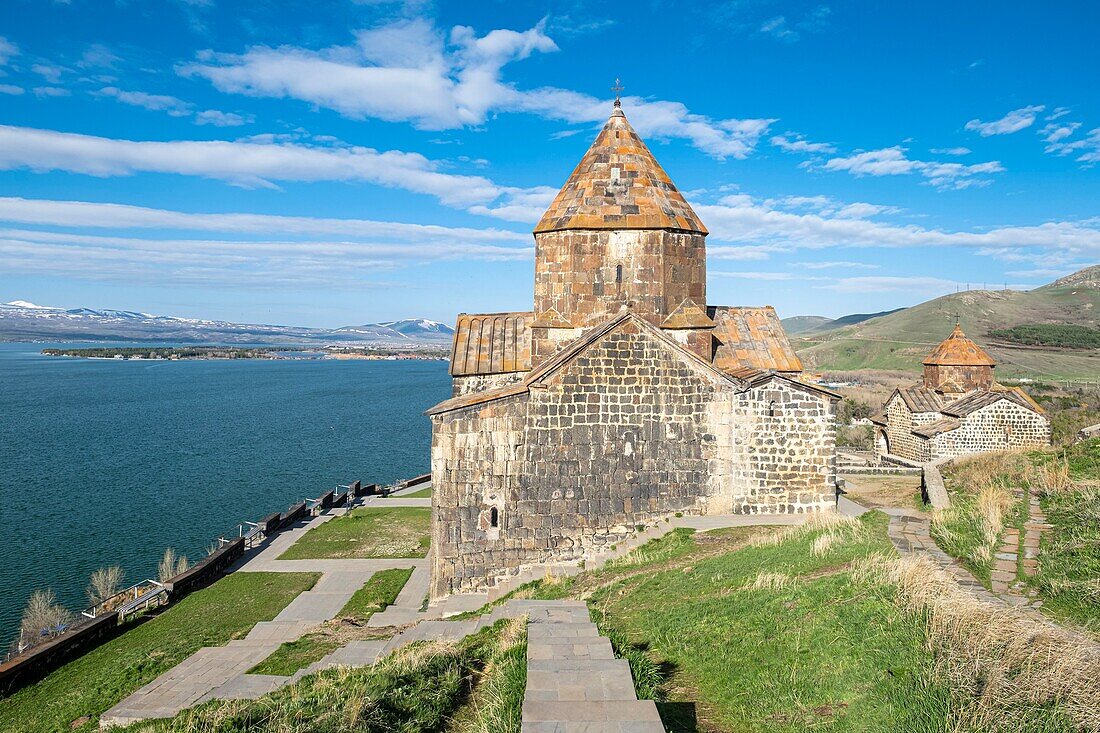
x=96 y=681
x=377 y=593
x=1069 y=567
x=422 y=494
x=416 y=690
x=959 y=532
x=367 y=532
x=824 y=653
x=1060 y=335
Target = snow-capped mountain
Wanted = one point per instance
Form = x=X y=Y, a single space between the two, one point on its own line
x=410 y=328
x=21 y=320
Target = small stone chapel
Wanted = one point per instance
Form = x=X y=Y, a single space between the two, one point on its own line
x=957 y=409
x=622 y=398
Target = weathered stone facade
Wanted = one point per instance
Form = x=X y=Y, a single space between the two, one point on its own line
x=958 y=409
x=620 y=399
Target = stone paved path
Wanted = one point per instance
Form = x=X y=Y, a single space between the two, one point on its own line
x=574 y=682
x=221 y=671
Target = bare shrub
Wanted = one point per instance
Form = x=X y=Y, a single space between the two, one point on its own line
x=769 y=581
x=171 y=565
x=1052 y=478
x=824 y=543
x=1006 y=662
x=973 y=472
x=104 y=583
x=994 y=501
x=43 y=617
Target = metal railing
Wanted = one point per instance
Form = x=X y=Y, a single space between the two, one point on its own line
x=131 y=596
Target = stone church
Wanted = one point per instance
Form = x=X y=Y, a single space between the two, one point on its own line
x=622 y=398
x=958 y=409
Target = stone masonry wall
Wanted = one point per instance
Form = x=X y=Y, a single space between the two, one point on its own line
x=587 y=275
x=782 y=452
x=1004 y=425
x=628 y=433
x=899 y=425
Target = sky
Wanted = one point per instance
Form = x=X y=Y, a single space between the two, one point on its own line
x=340 y=162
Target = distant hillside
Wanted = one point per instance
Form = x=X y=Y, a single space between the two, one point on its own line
x=901 y=339
x=818 y=324
x=803 y=324
x=23 y=321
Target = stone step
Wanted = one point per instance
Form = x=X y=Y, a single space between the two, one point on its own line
x=609 y=684
x=600 y=649
x=542 y=715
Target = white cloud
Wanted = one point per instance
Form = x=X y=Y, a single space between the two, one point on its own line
x=828 y=265
x=777 y=28
x=520 y=205
x=795 y=143
x=50 y=73
x=10 y=89
x=1014 y=121
x=410 y=70
x=241 y=163
x=155 y=102
x=894 y=162
x=221 y=119
x=98 y=56
x=891 y=284
x=950 y=151
x=746 y=221
x=1057 y=113
x=769 y=276
x=8 y=50
x=44 y=92
x=67 y=214
x=278 y=250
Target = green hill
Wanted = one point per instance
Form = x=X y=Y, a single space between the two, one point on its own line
x=796 y=325
x=901 y=339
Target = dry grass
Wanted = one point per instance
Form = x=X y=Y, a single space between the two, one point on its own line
x=769 y=581
x=43 y=618
x=994 y=502
x=824 y=543
x=1052 y=478
x=1007 y=467
x=104 y=583
x=1008 y=665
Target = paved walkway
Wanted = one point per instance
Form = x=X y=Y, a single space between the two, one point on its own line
x=221 y=671
x=574 y=682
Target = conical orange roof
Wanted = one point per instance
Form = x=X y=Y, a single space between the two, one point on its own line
x=958 y=350
x=619 y=185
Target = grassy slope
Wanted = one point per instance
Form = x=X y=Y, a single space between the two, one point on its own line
x=377 y=593
x=824 y=652
x=367 y=532
x=900 y=340
x=418 y=689
x=1069 y=567
x=95 y=682
x=1068 y=579
x=421 y=494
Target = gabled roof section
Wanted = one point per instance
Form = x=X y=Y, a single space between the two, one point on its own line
x=978 y=400
x=491 y=343
x=920 y=399
x=742 y=379
x=958 y=350
x=688 y=315
x=752 y=338
x=619 y=185
x=934 y=428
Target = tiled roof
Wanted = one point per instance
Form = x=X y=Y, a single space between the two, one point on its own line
x=958 y=350
x=491 y=343
x=619 y=185
x=879 y=418
x=688 y=315
x=943 y=425
x=752 y=337
x=920 y=399
x=978 y=400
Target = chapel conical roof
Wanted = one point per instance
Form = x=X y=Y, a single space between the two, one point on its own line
x=619 y=185
x=958 y=350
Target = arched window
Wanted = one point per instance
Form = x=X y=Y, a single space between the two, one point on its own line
x=494 y=517
x=618 y=273
x=771 y=408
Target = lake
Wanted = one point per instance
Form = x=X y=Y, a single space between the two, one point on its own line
x=109 y=462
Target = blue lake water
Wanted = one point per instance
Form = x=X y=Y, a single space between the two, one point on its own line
x=110 y=462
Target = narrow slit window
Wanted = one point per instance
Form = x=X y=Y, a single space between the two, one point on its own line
x=771 y=409
x=618 y=273
x=494 y=517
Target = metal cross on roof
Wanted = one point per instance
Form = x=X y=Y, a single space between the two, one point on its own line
x=617 y=88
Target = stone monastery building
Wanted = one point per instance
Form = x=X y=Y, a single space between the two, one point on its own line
x=622 y=398
x=958 y=409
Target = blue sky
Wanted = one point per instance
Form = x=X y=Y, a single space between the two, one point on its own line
x=332 y=163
